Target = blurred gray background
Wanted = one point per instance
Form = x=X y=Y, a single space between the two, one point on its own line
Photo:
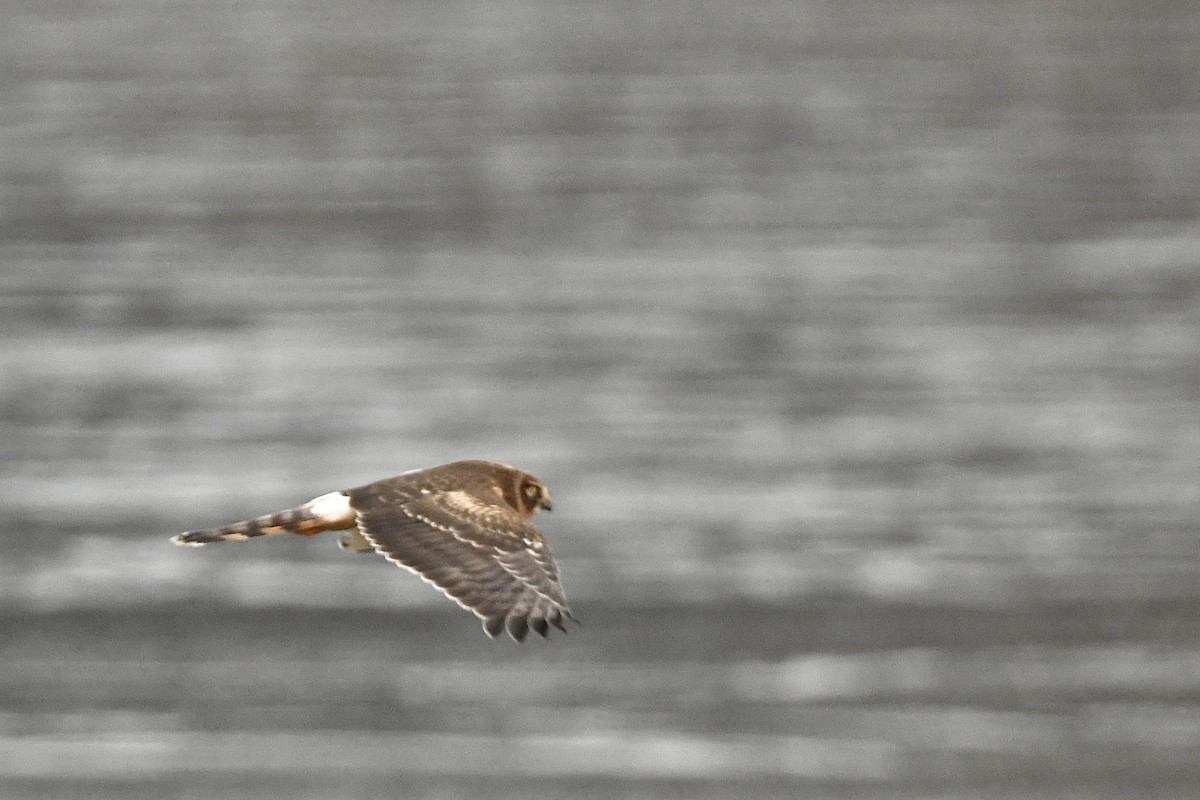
x=857 y=342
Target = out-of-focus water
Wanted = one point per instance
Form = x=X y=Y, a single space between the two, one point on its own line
x=857 y=346
x=747 y=700
x=839 y=535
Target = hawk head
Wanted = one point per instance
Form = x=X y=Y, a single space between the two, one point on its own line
x=526 y=493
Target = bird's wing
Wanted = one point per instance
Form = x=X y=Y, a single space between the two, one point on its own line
x=484 y=556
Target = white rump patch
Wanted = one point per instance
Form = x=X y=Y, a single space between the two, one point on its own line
x=332 y=508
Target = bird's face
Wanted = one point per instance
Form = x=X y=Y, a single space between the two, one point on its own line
x=532 y=496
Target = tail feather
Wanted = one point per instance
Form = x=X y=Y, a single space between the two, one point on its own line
x=328 y=512
x=267 y=525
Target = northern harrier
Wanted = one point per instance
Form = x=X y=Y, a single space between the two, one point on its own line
x=463 y=527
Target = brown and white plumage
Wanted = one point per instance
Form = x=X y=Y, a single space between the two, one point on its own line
x=463 y=527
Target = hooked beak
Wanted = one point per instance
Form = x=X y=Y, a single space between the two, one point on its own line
x=546 y=503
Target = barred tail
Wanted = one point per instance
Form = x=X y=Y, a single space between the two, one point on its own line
x=328 y=512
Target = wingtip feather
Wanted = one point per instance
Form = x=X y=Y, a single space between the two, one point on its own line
x=493 y=625
x=518 y=627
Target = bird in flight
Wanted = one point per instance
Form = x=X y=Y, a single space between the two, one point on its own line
x=463 y=527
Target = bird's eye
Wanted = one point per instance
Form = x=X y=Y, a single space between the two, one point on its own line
x=531 y=490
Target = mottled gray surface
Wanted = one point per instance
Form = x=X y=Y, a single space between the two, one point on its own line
x=857 y=346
